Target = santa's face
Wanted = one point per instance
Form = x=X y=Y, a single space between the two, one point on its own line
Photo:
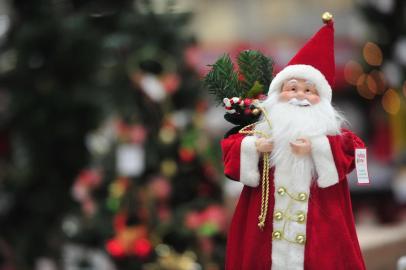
x=299 y=92
x=297 y=111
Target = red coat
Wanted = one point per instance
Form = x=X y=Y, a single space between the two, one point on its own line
x=331 y=240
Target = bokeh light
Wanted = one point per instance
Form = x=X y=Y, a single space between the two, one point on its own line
x=352 y=72
x=362 y=87
x=372 y=54
x=391 y=101
x=379 y=81
x=371 y=84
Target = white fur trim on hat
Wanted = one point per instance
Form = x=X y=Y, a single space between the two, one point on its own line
x=324 y=162
x=306 y=72
x=249 y=173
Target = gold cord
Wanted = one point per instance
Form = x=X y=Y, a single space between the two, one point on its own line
x=265 y=191
x=265 y=169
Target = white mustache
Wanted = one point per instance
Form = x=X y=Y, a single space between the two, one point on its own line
x=296 y=102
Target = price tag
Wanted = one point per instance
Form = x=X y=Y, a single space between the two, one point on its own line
x=361 y=166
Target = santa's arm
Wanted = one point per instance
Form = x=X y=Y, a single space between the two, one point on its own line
x=334 y=157
x=241 y=159
x=343 y=148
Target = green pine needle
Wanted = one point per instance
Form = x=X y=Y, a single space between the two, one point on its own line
x=222 y=80
x=255 y=69
x=255 y=90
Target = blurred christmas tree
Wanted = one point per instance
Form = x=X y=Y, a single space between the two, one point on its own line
x=385 y=72
x=104 y=150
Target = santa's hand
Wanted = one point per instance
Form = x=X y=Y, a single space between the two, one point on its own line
x=263 y=145
x=301 y=146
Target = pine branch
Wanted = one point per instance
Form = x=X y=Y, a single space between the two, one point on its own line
x=222 y=80
x=248 y=66
x=255 y=90
x=257 y=71
x=265 y=70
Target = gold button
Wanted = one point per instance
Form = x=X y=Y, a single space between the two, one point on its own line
x=302 y=196
x=301 y=217
x=277 y=235
x=300 y=239
x=278 y=215
x=281 y=191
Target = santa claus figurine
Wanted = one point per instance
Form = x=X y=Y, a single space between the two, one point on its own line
x=295 y=211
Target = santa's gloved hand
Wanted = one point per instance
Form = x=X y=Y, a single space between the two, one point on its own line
x=301 y=146
x=264 y=145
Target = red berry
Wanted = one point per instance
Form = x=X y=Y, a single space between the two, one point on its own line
x=247 y=102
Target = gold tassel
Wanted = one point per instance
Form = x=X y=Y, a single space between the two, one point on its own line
x=265 y=170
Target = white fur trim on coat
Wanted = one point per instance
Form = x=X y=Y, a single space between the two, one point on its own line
x=324 y=162
x=249 y=173
x=306 y=72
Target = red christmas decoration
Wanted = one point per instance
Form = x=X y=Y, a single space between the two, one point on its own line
x=160 y=188
x=186 y=154
x=247 y=102
x=114 y=248
x=137 y=134
x=193 y=220
x=120 y=222
x=171 y=82
x=142 y=247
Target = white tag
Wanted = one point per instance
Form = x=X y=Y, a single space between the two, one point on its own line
x=361 y=166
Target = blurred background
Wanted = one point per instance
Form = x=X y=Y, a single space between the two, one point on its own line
x=109 y=143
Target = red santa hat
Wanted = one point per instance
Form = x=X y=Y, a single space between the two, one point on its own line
x=314 y=62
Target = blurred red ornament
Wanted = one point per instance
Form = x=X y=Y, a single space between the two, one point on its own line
x=164 y=213
x=142 y=247
x=193 y=220
x=137 y=134
x=210 y=171
x=87 y=180
x=186 y=154
x=89 y=207
x=206 y=245
x=119 y=222
x=161 y=188
x=171 y=82
x=215 y=214
x=114 y=248
x=247 y=111
x=80 y=192
x=241 y=77
x=192 y=56
x=90 y=177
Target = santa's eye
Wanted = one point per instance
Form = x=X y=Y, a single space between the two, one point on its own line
x=293 y=88
x=308 y=91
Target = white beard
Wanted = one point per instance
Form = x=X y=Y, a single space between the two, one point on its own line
x=290 y=122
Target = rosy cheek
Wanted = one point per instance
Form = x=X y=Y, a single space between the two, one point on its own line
x=314 y=99
x=284 y=96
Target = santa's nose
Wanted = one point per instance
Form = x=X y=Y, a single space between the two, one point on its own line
x=300 y=95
